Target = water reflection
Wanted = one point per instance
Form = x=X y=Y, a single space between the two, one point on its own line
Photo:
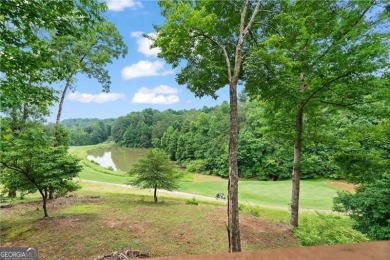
x=119 y=158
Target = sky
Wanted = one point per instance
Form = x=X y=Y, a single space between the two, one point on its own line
x=140 y=80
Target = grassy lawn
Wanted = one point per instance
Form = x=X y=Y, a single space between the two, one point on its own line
x=315 y=194
x=91 y=174
x=82 y=227
x=102 y=218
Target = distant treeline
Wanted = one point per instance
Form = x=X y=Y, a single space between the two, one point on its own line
x=198 y=140
x=86 y=131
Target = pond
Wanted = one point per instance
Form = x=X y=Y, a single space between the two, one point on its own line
x=119 y=158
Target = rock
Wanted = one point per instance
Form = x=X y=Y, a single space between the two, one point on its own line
x=136 y=253
x=100 y=257
x=115 y=254
x=127 y=252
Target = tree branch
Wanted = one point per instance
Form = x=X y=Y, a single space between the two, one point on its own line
x=223 y=48
x=252 y=19
x=326 y=85
x=360 y=18
x=340 y=104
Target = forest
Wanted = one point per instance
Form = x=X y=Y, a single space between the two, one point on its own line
x=197 y=139
x=314 y=106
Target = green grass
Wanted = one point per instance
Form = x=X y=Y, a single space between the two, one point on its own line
x=315 y=194
x=119 y=218
x=91 y=174
x=86 y=228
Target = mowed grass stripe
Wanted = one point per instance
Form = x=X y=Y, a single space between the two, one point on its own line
x=314 y=194
x=93 y=175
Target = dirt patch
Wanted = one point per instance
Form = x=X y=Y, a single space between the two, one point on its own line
x=134 y=227
x=63 y=222
x=267 y=233
x=343 y=185
x=201 y=177
x=258 y=233
x=53 y=204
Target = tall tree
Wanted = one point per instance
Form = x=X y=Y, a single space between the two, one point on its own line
x=26 y=57
x=89 y=54
x=314 y=55
x=210 y=37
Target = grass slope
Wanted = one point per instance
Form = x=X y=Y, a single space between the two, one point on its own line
x=83 y=228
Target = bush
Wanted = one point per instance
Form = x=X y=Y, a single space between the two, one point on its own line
x=196 y=166
x=192 y=201
x=67 y=186
x=325 y=229
x=369 y=207
x=253 y=210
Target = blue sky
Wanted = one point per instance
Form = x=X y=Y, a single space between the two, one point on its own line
x=140 y=80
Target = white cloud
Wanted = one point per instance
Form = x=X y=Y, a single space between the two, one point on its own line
x=145 y=68
x=161 y=95
x=120 y=5
x=96 y=98
x=145 y=43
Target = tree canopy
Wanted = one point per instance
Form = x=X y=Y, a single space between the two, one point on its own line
x=313 y=55
x=28 y=61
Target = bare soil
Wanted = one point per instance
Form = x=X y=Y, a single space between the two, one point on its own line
x=343 y=185
x=262 y=232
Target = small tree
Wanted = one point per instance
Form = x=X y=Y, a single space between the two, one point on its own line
x=154 y=171
x=30 y=163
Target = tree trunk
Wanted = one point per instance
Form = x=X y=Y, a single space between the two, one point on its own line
x=296 y=174
x=44 y=198
x=67 y=85
x=155 y=193
x=233 y=214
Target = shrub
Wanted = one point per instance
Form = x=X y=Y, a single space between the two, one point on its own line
x=253 y=210
x=369 y=207
x=324 y=229
x=196 y=166
x=192 y=201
